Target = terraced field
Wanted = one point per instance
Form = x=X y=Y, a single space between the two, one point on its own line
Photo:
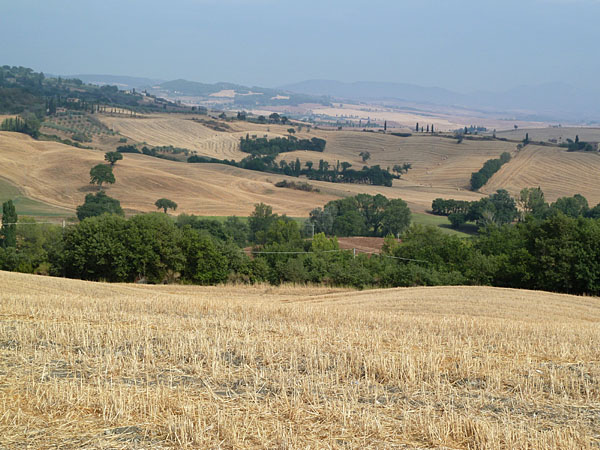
x=559 y=173
x=94 y=365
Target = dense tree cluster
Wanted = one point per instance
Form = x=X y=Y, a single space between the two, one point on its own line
x=28 y=124
x=558 y=252
x=362 y=215
x=490 y=167
x=98 y=204
x=500 y=208
x=579 y=146
x=275 y=146
x=340 y=173
x=23 y=90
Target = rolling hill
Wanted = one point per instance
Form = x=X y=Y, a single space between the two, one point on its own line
x=555 y=170
x=103 y=365
x=58 y=175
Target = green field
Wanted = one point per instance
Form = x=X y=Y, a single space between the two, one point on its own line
x=443 y=223
x=26 y=206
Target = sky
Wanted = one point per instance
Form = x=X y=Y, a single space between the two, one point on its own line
x=463 y=45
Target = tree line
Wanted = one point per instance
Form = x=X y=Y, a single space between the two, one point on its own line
x=500 y=208
x=556 y=253
x=340 y=173
x=27 y=123
x=275 y=146
x=490 y=167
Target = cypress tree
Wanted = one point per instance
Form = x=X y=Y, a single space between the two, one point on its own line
x=9 y=229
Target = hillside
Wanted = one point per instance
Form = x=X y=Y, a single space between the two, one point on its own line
x=557 y=171
x=97 y=365
x=58 y=175
x=560 y=134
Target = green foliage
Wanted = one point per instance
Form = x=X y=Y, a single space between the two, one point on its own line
x=498 y=208
x=97 y=249
x=259 y=222
x=374 y=175
x=98 y=204
x=113 y=157
x=531 y=202
x=362 y=215
x=164 y=204
x=297 y=186
x=101 y=174
x=128 y=149
x=275 y=146
x=154 y=250
x=9 y=229
x=27 y=124
x=576 y=206
x=457 y=219
x=490 y=167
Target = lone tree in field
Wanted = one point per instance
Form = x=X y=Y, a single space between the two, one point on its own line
x=364 y=155
x=165 y=203
x=113 y=157
x=101 y=174
x=9 y=229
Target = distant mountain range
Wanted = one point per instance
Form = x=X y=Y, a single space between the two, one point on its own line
x=550 y=101
x=547 y=102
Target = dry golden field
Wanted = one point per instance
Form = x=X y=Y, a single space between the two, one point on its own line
x=185 y=133
x=561 y=134
x=557 y=171
x=90 y=365
x=59 y=175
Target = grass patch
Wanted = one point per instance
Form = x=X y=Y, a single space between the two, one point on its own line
x=443 y=223
x=26 y=206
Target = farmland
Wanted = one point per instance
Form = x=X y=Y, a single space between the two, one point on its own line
x=57 y=175
x=96 y=365
x=553 y=169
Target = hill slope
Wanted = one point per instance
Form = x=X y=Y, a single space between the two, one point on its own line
x=558 y=172
x=59 y=175
x=97 y=365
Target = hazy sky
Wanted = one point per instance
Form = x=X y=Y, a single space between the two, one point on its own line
x=458 y=44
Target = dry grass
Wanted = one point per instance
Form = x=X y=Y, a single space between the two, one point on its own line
x=561 y=134
x=558 y=172
x=185 y=133
x=59 y=175
x=123 y=366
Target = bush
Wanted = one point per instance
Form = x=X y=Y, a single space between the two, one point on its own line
x=98 y=204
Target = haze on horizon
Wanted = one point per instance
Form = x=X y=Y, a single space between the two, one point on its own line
x=462 y=45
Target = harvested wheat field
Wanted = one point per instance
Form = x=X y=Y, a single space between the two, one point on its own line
x=185 y=133
x=560 y=134
x=127 y=366
x=558 y=172
x=59 y=175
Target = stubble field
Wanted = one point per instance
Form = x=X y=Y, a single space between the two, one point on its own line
x=128 y=366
